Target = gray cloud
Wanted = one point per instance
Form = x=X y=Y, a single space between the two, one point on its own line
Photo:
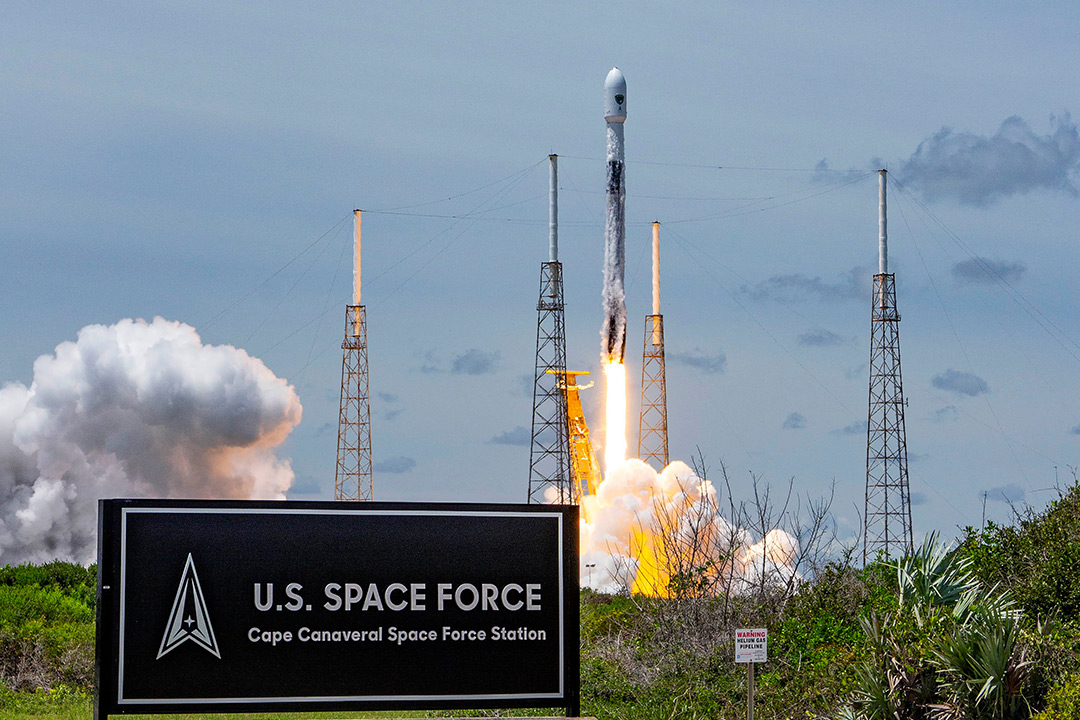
x=825 y=173
x=390 y=399
x=986 y=271
x=697 y=359
x=1075 y=430
x=980 y=170
x=518 y=436
x=305 y=485
x=961 y=383
x=857 y=371
x=395 y=465
x=474 y=362
x=949 y=413
x=524 y=384
x=917 y=498
x=324 y=430
x=856 y=428
x=819 y=338
x=794 y=421
x=1010 y=493
x=431 y=363
x=853 y=284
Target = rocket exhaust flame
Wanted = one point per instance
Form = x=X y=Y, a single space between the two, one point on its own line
x=646 y=532
x=615 y=416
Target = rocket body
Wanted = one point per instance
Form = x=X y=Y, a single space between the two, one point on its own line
x=613 y=332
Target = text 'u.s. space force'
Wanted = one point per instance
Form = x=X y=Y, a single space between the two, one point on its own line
x=397 y=597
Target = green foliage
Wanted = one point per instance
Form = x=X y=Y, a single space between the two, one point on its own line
x=1063 y=702
x=949 y=649
x=932 y=578
x=47 y=629
x=674 y=657
x=59 y=702
x=1037 y=558
x=72 y=579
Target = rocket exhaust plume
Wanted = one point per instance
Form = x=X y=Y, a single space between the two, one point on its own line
x=643 y=529
x=135 y=409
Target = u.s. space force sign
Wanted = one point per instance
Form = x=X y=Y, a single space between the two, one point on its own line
x=248 y=606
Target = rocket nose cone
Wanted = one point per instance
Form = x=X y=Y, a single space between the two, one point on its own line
x=615 y=96
x=615 y=80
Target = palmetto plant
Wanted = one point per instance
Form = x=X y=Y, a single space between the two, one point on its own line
x=982 y=670
x=933 y=579
x=971 y=666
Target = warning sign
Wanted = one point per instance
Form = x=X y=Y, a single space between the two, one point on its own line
x=751 y=645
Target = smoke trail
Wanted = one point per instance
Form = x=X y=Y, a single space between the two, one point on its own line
x=613 y=331
x=647 y=531
x=134 y=409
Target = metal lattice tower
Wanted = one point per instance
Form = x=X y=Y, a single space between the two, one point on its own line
x=652 y=428
x=888 y=502
x=652 y=424
x=352 y=479
x=549 y=457
x=549 y=454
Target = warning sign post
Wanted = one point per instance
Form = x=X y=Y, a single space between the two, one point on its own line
x=751 y=647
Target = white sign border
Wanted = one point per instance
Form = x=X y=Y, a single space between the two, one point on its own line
x=124 y=512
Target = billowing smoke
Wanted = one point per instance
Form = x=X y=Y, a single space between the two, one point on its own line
x=980 y=170
x=664 y=533
x=134 y=409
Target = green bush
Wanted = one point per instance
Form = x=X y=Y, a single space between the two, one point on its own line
x=47 y=628
x=1037 y=558
x=1063 y=702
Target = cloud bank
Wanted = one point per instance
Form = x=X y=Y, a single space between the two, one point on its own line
x=961 y=383
x=395 y=465
x=474 y=362
x=520 y=436
x=980 y=170
x=794 y=421
x=711 y=364
x=855 y=283
x=134 y=409
x=986 y=271
x=819 y=338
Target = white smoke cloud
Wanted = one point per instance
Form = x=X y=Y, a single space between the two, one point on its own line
x=134 y=409
x=641 y=527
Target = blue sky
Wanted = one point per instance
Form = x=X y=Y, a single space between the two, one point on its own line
x=200 y=162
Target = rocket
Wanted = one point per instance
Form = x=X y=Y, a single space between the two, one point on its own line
x=613 y=331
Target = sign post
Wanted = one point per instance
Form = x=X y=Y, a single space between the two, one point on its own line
x=751 y=647
x=250 y=606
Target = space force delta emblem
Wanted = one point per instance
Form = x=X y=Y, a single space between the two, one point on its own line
x=189 y=619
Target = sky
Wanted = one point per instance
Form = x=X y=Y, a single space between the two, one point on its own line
x=200 y=162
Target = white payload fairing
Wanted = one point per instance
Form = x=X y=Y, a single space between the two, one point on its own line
x=613 y=332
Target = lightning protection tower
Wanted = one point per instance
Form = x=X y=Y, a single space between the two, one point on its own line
x=352 y=480
x=549 y=455
x=887 y=515
x=652 y=425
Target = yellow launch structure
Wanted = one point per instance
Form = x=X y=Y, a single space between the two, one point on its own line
x=584 y=468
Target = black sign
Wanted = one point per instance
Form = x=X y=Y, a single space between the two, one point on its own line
x=253 y=606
